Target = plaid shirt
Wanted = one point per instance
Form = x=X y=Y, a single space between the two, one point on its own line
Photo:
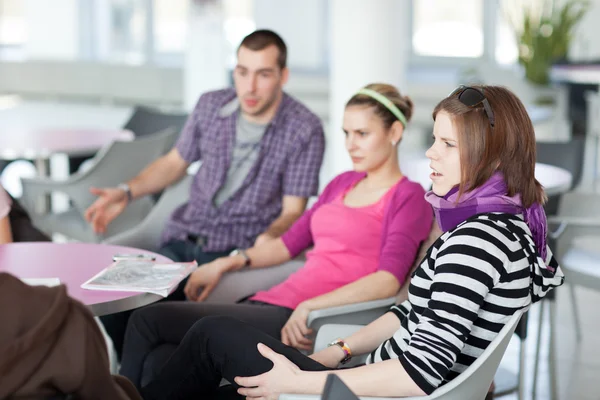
x=290 y=158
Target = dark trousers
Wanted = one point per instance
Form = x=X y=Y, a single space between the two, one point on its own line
x=178 y=251
x=216 y=348
x=154 y=332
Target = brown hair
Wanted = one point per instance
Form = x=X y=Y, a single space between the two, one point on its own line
x=508 y=147
x=263 y=38
x=404 y=103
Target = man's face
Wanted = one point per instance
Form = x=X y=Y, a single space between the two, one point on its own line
x=258 y=80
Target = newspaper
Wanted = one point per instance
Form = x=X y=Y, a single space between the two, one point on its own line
x=141 y=276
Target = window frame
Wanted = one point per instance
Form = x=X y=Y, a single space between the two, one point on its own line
x=93 y=31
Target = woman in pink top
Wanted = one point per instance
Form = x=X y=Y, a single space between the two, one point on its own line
x=365 y=229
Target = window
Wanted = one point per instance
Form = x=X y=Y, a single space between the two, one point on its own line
x=139 y=31
x=13 y=28
x=127 y=37
x=169 y=25
x=448 y=28
x=506 y=51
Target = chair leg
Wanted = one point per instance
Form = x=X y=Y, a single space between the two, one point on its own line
x=552 y=353
x=520 y=377
x=576 y=319
x=537 y=350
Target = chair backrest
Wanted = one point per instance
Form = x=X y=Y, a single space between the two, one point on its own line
x=576 y=205
x=118 y=162
x=336 y=389
x=145 y=121
x=567 y=155
x=475 y=381
x=147 y=234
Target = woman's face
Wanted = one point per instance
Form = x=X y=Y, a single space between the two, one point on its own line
x=444 y=155
x=368 y=142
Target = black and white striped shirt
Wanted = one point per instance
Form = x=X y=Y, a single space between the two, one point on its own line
x=469 y=284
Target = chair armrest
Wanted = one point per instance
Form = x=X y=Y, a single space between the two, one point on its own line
x=578 y=221
x=564 y=222
x=240 y=284
x=358 y=313
x=330 y=332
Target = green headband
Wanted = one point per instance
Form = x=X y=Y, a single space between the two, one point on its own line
x=386 y=103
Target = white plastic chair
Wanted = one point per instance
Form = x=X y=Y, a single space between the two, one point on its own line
x=577 y=238
x=13 y=173
x=472 y=384
x=116 y=163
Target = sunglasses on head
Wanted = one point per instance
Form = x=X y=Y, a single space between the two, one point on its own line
x=472 y=97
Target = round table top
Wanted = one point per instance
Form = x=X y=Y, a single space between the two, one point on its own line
x=42 y=143
x=73 y=264
x=555 y=180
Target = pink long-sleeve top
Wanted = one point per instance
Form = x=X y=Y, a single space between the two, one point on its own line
x=351 y=243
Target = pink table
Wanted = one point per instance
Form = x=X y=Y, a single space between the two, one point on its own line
x=73 y=264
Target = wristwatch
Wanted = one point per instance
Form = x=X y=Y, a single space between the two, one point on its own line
x=241 y=252
x=346 y=349
x=125 y=187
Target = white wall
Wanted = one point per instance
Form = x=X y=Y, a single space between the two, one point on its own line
x=53 y=29
x=586 y=44
x=205 y=66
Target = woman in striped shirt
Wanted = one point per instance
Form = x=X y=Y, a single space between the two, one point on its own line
x=491 y=260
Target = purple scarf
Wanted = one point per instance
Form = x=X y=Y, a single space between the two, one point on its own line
x=489 y=197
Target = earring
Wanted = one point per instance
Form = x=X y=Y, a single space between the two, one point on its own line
x=393 y=142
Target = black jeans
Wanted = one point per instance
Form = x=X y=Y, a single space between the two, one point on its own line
x=216 y=348
x=178 y=251
x=154 y=332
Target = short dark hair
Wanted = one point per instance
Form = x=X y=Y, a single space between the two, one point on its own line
x=263 y=38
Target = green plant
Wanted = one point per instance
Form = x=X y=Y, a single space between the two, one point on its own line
x=544 y=33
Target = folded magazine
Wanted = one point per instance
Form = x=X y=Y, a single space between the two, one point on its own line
x=141 y=276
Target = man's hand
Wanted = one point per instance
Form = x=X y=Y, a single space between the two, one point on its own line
x=295 y=330
x=207 y=276
x=263 y=238
x=110 y=203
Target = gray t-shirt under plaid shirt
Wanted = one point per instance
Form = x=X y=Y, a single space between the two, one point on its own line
x=245 y=153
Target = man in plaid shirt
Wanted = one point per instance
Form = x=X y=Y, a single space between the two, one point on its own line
x=261 y=151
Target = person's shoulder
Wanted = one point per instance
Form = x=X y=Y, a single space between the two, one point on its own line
x=295 y=113
x=216 y=99
x=496 y=227
x=407 y=190
x=408 y=187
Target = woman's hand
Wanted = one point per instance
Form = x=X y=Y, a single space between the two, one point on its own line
x=268 y=386
x=295 y=329
x=207 y=276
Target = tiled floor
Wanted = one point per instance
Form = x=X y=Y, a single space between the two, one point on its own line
x=578 y=364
